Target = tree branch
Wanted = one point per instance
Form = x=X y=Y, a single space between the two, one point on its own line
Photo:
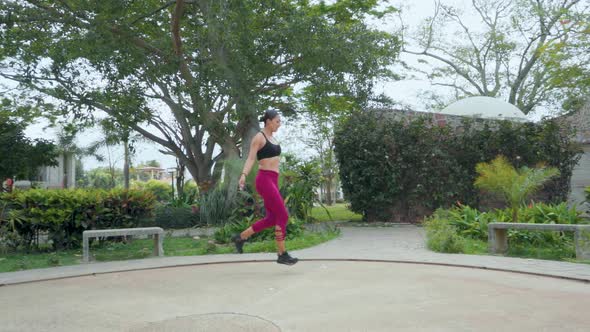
x=452 y=65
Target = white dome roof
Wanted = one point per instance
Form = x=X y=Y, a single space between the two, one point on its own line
x=485 y=107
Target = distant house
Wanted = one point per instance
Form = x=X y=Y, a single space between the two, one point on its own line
x=580 y=122
x=478 y=108
x=54 y=177
x=150 y=173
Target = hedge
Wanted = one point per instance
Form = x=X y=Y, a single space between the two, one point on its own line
x=65 y=214
x=403 y=170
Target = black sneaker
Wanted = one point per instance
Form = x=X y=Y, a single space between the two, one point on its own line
x=239 y=242
x=286 y=259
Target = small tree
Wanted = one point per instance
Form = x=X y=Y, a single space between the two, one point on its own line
x=514 y=186
x=20 y=156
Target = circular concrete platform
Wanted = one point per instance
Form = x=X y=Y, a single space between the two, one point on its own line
x=310 y=296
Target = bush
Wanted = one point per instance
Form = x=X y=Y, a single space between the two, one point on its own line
x=394 y=170
x=514 y=186
x=172 y=217
x=299 y=183
x=65 y=214
x=295 y=229
x=442 y=236
x=162 y=191
x=469 y=223
x=214 y=209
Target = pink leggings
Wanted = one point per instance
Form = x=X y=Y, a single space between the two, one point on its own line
x=267 y=185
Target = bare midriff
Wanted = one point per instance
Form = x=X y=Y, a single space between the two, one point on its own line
x=269 y=164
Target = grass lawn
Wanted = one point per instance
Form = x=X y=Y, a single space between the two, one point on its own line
x=338 y=212
x=141 y=248
x=476 y=247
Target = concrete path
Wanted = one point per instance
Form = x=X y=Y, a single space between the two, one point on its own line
x=320 y=294
x=403 y=243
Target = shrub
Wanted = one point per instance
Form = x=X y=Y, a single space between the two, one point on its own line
x=299 y=182
x=442 y=236
x=162 y=191
x=513 y=185
x=65 y=214
x=295 y=229
x=396 y=171
x=214 y=208
x=172 y=217
x=467 y=222
x=403 y=170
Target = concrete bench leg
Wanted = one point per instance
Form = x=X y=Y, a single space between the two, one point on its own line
x=582 y=242
x=159 y=244
x=86 y=250
x=498 y=241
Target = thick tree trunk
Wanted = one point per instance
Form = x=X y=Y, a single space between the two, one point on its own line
x=253 y=127
x=180 y=178
x=232 y=157
x=329 y=200
x=202 y=175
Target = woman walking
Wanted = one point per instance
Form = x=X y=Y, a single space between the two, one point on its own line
x=265 y=148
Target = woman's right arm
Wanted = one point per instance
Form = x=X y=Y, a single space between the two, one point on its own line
x=254 y=147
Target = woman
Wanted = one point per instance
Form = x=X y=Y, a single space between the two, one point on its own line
x=265 y=148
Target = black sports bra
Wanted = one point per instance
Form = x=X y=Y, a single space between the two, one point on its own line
x=269 y=150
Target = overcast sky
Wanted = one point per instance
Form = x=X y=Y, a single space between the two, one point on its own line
x=407 y=92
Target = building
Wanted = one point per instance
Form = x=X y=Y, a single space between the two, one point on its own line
x=579 y=122
x=54 y=177
x=150 y=173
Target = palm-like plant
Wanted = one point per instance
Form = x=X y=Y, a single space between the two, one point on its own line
x=514 y=186
x=67 y=146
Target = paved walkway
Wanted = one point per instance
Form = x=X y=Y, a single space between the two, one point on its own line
x=388 y=292
x=403 y=243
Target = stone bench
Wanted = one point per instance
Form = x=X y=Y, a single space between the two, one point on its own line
x=156 y=231
x=498 y=235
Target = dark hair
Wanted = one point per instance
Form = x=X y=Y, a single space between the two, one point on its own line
x=269 y=115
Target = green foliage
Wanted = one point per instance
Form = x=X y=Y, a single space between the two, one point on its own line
x=21 y=156
x=103 y=178
x=442 y=236
x=187 y=199
x=140 y=248
x=53 y=260
x=162 y=191
x=402 y=170
x=471 y=224
x=295 y=229
x=65 y=214
x=228 y=58
x=514 y=186
x=174 y=217
x=337 y=212
x=299 y=183
x=468 y=221
x=213 y=208
x=394 y=170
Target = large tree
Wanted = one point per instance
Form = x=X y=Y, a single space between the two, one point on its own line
x=530 y=52
x=192 y=75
